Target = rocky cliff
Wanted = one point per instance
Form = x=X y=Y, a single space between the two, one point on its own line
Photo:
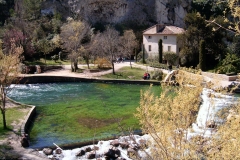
x=144 y=12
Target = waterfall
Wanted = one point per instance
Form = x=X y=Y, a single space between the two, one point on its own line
x=208 y=115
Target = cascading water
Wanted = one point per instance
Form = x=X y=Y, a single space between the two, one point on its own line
x=212 y=104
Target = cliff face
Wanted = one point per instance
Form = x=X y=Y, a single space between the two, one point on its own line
x=145 y=12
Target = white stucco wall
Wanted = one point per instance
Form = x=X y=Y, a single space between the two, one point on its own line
x=170 y=41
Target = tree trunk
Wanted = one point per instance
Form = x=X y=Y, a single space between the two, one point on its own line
x=113 y=70
x=75 y=63
x=3 y=111
x=130 y=62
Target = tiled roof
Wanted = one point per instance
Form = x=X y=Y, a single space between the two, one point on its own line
x=164 y=29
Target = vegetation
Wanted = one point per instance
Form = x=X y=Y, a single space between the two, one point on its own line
x=9 y=63
x=202 y=56
x=168 y=120
x=160 y=50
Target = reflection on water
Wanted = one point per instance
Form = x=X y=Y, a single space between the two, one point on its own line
x=92 y=95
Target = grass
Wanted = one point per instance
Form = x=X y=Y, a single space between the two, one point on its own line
x=13 y=115
x=126 y=73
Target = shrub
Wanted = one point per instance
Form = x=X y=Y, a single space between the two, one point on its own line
x=171 y=57
x=103 y=63
x=230 y=64
x=157 y=75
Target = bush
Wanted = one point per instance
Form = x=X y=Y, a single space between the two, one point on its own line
x=103 y=63
x=231 y=64
x=157 y=75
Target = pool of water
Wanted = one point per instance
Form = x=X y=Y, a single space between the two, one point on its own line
x=79 y=112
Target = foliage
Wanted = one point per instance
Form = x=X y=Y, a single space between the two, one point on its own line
x=171 y=57
x=32 y=9
x=210 y=8
x=157 y=75
x=128 y=43
x=230 y=64
x=8 y=72
x=102 y=63
x=202 y=56
x=235 y=8
x=197 y=30
x=166 y=118
x=73 y=33
x=226 y=141
x=109 y=42
x=160 y=53
x=19 y=39
x=55 y=57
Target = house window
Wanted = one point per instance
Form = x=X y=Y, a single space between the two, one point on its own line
x=149 y=48
x=149 y=37
x=169 y=48
x=164 y=37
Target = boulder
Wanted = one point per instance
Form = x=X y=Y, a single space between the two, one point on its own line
x=91 y=155
x=113 y=153
x=80 y=153
x=115 y=143
x=47 y=151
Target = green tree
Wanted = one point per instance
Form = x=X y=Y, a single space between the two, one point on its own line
x=32 y=9
x=160 y=52
x=44 y=46
x=171 y=57
x=202 y=56
x=8 y=72
x=197 y=30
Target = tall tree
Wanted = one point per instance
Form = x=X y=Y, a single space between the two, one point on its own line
x=197 y=30
x=128 y=43
x=110 y=39
x=202 y=56
x=160 y=51
x=8 y=72
x=73 y=35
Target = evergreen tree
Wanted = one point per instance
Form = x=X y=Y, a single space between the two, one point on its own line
x=202 y=56
x=160 y=50
x=143 y=54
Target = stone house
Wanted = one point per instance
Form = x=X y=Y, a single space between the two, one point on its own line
x=167 y=33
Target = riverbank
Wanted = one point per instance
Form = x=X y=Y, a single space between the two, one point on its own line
x=14 y=140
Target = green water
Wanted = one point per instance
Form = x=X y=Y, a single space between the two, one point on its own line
x=78 y=112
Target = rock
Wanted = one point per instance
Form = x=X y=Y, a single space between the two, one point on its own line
x=24 y=141
x=47 y=151
x=115 y=143
x=95 y=148
x=211 y=124
x=88 y=149
x=113 y=153
x=80 y=153
x=91 y=155
x=124 y=145
x=58 y=151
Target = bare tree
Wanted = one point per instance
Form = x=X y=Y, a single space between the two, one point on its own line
x=110 y=40
x=8 y=72
x=73 y=34
x=128 y=43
